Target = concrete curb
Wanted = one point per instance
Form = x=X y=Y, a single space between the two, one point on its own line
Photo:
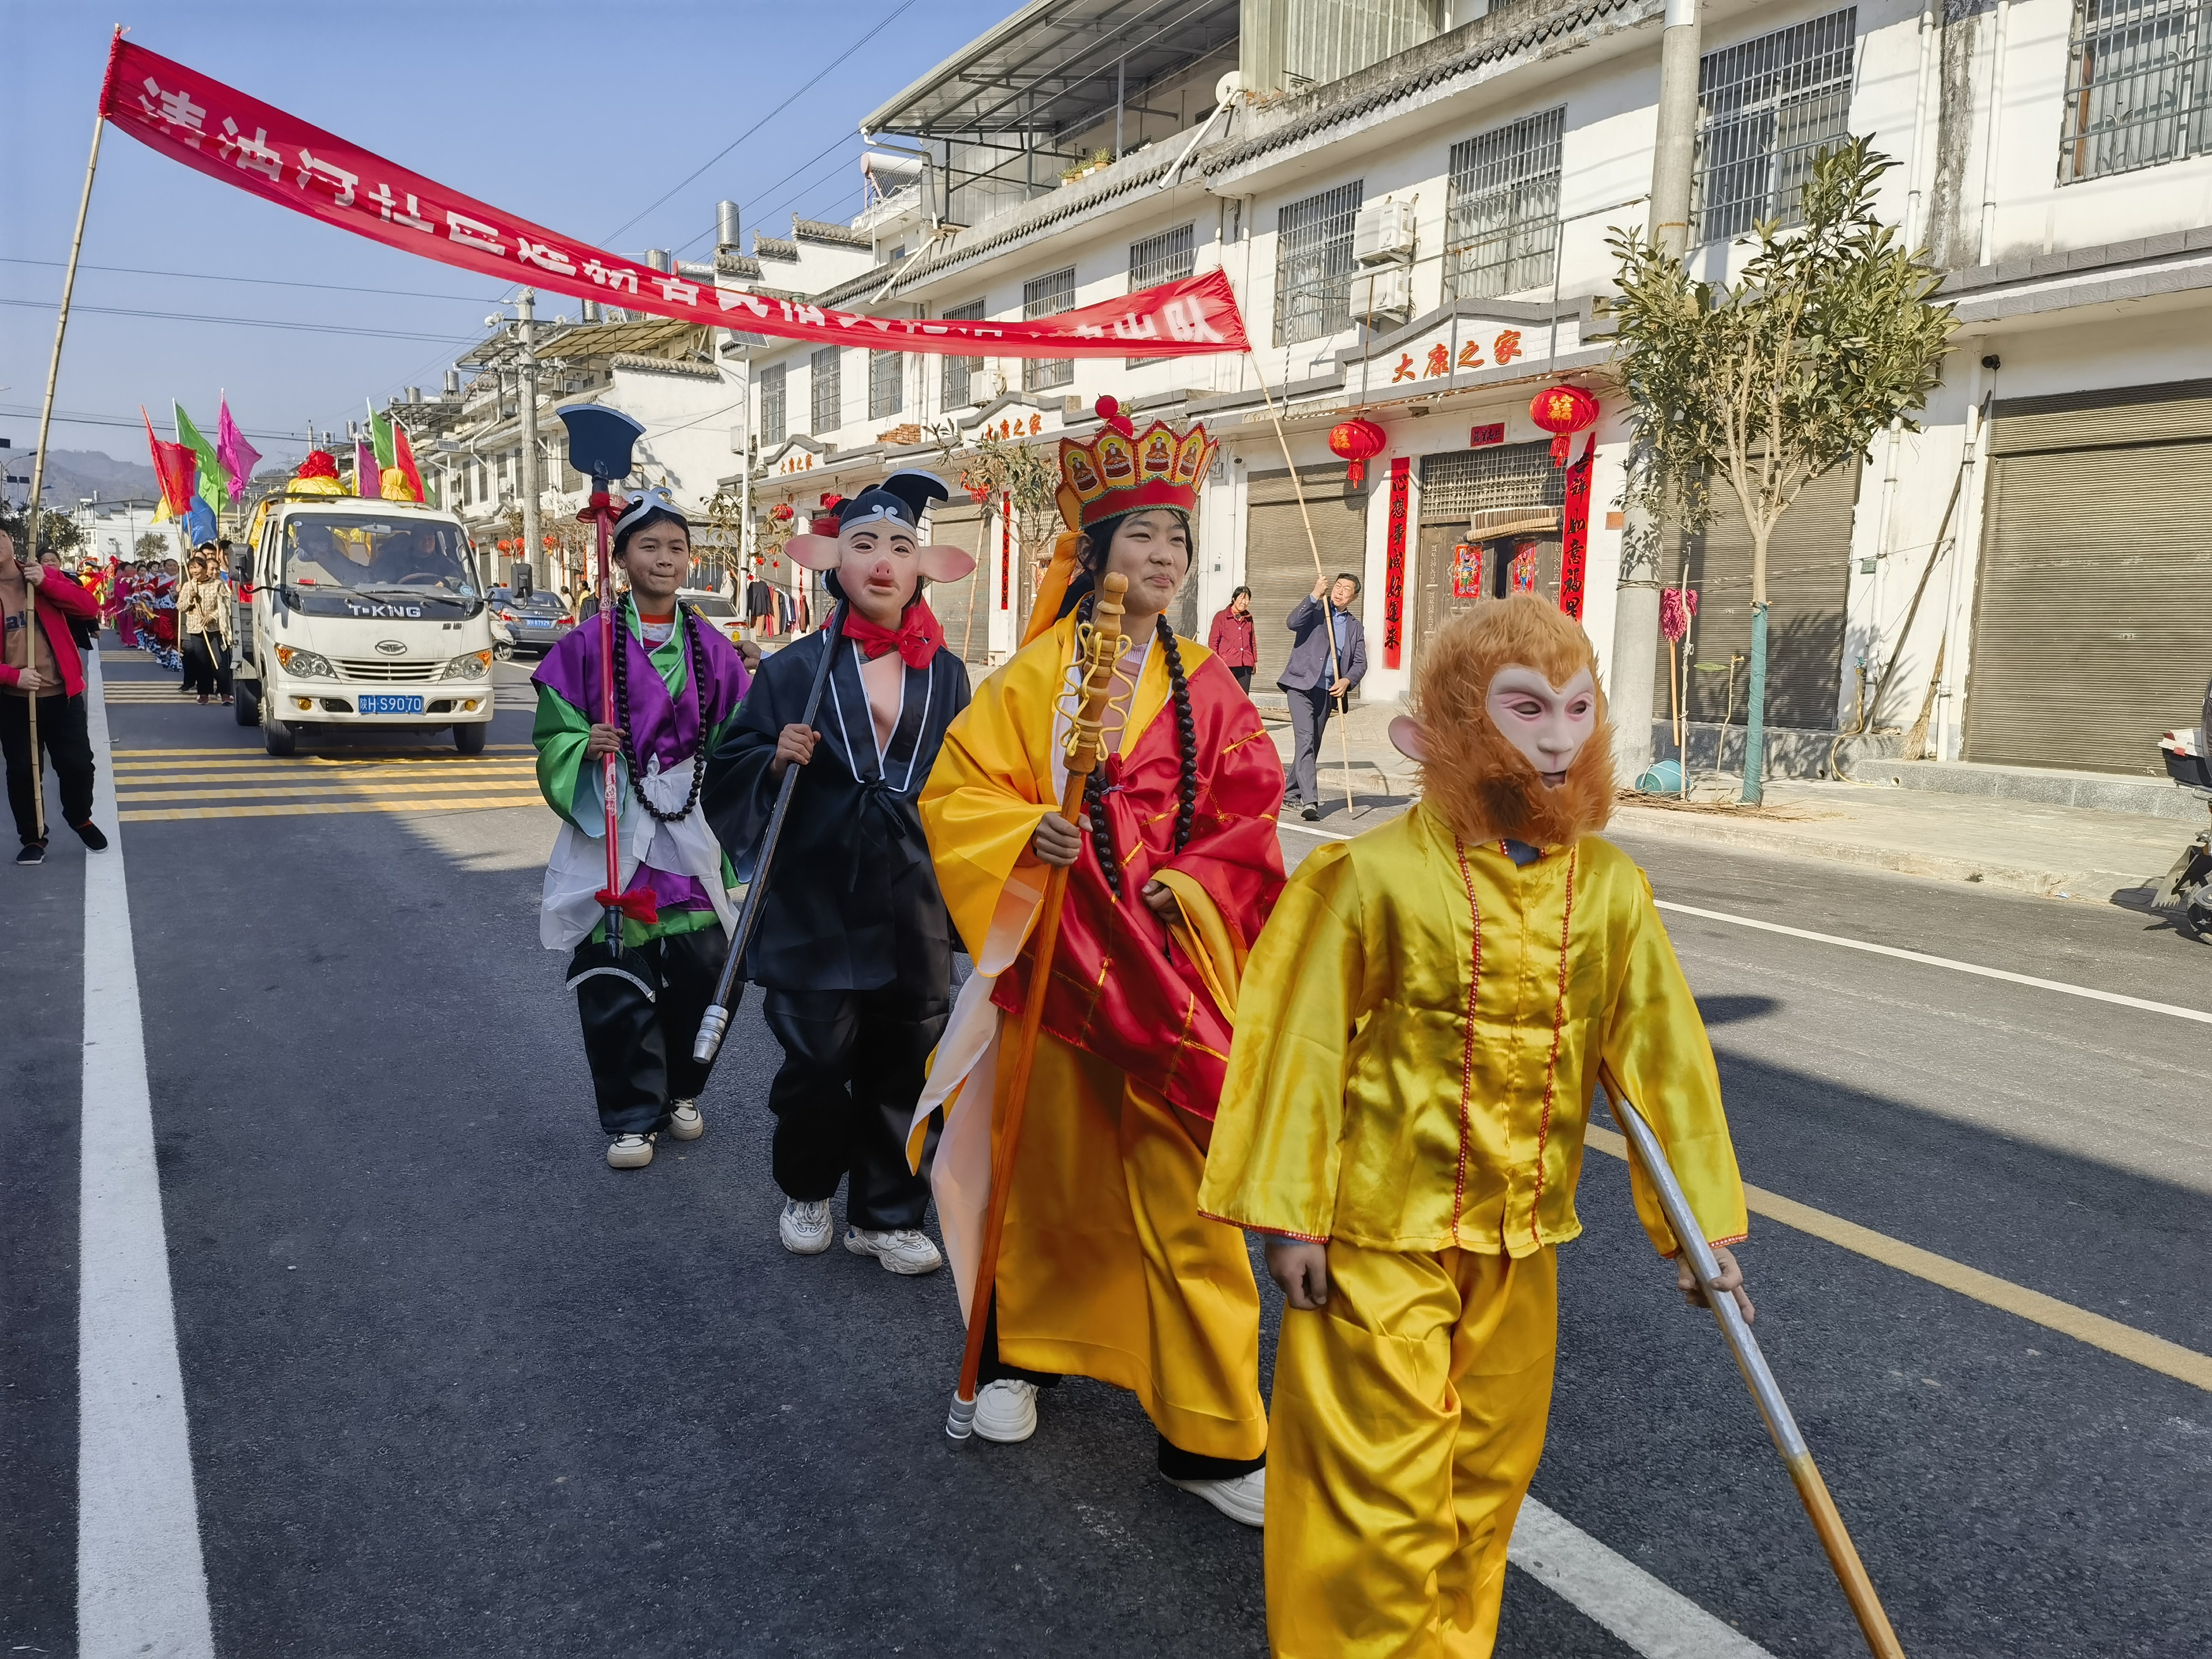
x=2097 y=886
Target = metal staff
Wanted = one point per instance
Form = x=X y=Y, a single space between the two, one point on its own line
x=729 y=990
x=1812 y=1490
x=1096 y=653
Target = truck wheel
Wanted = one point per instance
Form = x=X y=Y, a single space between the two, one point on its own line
x=276 y=737
x=246 y=703
x=470 y=740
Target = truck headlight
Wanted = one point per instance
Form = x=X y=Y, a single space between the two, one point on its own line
x=307 y=664
x=473 y=666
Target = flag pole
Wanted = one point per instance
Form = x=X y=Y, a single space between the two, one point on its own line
x=29 y=556
x=1328 y=599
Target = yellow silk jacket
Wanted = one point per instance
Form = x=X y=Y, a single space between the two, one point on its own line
x=1404 y=1078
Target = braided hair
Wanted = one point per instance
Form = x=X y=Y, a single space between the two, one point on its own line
x=689 y=619
x=1094 y=787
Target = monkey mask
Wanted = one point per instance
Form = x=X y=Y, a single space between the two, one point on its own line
x=1508 y=725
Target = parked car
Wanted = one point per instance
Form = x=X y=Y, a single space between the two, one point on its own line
x=539 y=623
x=715 y=609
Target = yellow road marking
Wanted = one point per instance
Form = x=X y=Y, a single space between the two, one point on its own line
x=342 y=791
x=465 y=803
x=253 y=757
x=503 y=772
x=243 y=751
x=2152 y=1352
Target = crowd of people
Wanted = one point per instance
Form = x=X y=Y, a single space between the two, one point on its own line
x=1381 y=1065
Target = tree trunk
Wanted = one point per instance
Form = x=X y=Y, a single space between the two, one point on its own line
x=1755 y=730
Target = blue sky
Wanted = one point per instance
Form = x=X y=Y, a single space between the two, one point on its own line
x=576 y=116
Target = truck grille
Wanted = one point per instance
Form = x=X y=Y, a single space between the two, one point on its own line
x=377 y=668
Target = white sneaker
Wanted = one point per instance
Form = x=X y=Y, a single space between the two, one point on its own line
x=902 y=1250
x=684 y=1122
x=1006 y=1411
x=804 y=1227
x=629 y=1151
x=1242 y=1498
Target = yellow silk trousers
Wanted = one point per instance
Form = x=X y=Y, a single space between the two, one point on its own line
x=1108 y=1269
x=1408 y=1419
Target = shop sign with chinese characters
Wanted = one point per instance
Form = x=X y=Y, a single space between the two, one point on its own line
x=1468 y=345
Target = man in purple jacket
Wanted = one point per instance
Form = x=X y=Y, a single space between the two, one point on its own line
x=49 y=669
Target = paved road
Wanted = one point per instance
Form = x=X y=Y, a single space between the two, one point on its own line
x=455 y=1387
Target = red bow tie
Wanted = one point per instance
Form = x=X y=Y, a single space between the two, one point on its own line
x=916 y=638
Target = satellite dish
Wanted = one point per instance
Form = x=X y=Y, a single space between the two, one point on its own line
x=1230 y=86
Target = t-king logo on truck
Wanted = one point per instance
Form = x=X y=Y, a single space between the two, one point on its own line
x=380 y=608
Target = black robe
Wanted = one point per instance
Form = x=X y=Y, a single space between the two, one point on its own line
x=852 y=902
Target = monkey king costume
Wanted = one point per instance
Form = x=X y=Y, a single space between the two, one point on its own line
x=1106 y=1269
x=677 y=685
x=1421 y=1028
x=853 y=946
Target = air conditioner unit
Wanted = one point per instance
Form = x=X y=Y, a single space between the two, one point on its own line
x=1385 y=294
x=1383 y=232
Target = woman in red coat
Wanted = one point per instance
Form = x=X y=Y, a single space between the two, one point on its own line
x=1232 y=638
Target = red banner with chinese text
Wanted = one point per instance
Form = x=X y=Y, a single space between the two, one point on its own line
x=220 y=132
x=1393 y=564
x=1574 y=541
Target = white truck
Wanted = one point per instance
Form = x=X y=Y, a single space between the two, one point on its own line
x=356 y=612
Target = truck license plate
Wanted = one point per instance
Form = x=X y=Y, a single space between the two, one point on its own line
x=390 y=703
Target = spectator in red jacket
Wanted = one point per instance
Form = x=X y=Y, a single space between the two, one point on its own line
x=49 y=669
x=1232 y=640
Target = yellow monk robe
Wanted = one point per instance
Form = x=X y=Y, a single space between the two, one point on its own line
x=1421 y=1029
x=1107 y=1269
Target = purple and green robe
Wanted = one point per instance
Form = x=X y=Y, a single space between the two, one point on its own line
x=681 y=865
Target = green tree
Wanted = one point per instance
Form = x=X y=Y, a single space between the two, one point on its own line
x=58 y=532
x=151 y=545
x=1828 y=337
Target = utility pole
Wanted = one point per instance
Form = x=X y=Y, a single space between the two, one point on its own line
x=1636 y=612
x=533 y=545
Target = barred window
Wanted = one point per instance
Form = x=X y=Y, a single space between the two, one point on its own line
x=1459 y=484
x=1313 y=265
x=772 y=430
x=1167 y=258
x=828 y=389
x=1767 y=110
x=886 y=383
x=2138 y=89
x=1047 y=296
x=960 y=373
x=1502 y=229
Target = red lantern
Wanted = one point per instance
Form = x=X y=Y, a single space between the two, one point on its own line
x=506 y=547
x=1358 y=441
x=1562 y=411
x=781 y=513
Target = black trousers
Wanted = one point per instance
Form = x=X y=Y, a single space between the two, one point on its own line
x=207 y=669
x=1309 y=711
x=640 y=1052
x=64 y=740
x=853 y=1063
x=1243 y=676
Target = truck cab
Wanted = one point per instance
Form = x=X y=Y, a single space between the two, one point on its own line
x=356 y=612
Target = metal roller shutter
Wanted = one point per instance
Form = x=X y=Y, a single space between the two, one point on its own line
x=2091 y=631
x=962 y=607
x=1279 y=565
x=1807 y=574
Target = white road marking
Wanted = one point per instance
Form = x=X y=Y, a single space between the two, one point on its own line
x=141 y=1582
x=1613 y=1591
x=2199 y=1015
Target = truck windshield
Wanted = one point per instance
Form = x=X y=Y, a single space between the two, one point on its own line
x=362 y=551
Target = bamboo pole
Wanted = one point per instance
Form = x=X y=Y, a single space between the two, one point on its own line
x=1329 y=623
x=30 y=554
x=1096 y=689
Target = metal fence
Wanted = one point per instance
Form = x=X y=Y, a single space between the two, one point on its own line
x=2138 y=89
x=1047 y=296
x=1313 y=265
x=1502 y=228
x=1457 y=483
x=1767 y=109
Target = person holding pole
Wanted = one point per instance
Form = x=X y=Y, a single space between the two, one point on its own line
x=42 y=711
x=204 y=626
x=1328 y=659
x=675 y=684
x=1421 y=1028
x=1097 y=1095
x=855 y=948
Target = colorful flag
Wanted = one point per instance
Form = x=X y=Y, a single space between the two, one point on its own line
x=173 y=465
x=380 y=437
x=404 y=459
x=367 y=482
x=213 y=482
x=239 y=456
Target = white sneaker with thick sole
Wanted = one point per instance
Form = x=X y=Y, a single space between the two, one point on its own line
x=902 y=1250
x=629 y=1151
x=1006 y=1411
x=804 y=1227
x=684 y=1122
x=1242 y=1498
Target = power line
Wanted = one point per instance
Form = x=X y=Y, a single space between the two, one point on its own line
x=249 y=322
x=63 y=418
x=261 y=281
x=888 y=18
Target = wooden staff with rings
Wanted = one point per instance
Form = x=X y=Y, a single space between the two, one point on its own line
x=1812 y=1490
x=1099 y=647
